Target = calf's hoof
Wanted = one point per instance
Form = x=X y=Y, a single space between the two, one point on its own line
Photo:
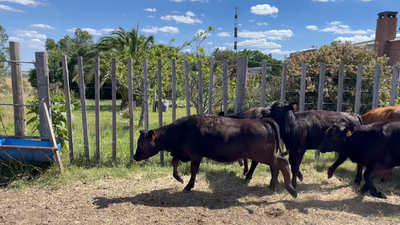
x=187 y=189
x=178 y=178
x=330 y=173
x=300 y=176
x=293 y=193
x=380 y=195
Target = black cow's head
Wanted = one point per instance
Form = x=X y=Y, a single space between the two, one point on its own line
x=335 y=137
x=280 y=108
x=146 y=146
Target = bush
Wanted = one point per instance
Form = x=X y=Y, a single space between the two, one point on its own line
x=58 y=116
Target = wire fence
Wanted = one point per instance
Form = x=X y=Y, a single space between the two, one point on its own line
x=101 y=122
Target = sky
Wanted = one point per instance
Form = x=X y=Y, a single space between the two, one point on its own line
x=276 y=27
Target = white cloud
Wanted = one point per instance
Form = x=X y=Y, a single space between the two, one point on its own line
x=187 y=50
x=165 y=29
x=175 y=11
x=334 y=23
x=240 y=24
x=24 y=2
x=337 y=27
x=220 y=48
x=312 y=27
x=356 y=38
x=271 y=34
x=30 y=43
x=162 y=42
x=262 y=24
x=190 y=14
x=203 y=15
x=320 y=0
x=93 y=31
x=220 y=28
x=29 y=34
x=264 y=9
x=250 y=21
x=210 y=43
x=151 y=10
x=257 y=43
x=177 y=0
x=223 y=34
x=181 y=19
x=150 y=16
x=43 y=26
x=8 y=8
x=365 y=0
x=277 y=52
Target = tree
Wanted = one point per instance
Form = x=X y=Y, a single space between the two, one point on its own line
x=256 y=58
x=4 y=54
x=333 y=55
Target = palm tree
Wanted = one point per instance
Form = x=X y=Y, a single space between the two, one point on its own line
x=124 y=44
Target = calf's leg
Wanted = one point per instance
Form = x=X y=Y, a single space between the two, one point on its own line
x=335 y=165
x=369 y=175
x=295 y=158
x=358 y=178
x=282 y=164
x=274 y=178
x=386 y=175
x=246 y=166
x=175 y=172
x=194 y=168
x=251 y=171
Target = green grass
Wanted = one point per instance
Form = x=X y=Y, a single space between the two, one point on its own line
x=19 y=175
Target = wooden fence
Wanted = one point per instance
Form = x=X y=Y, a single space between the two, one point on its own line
x=239 y=102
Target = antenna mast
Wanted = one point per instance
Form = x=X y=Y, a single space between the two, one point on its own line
x=236 y=29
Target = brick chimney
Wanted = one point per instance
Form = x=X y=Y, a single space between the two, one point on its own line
x=386 y=27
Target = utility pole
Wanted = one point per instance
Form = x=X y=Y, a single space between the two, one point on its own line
x=236 y=29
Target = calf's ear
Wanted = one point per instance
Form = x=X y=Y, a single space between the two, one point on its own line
x=153 y=135
x=293 y=106
x=349 y=130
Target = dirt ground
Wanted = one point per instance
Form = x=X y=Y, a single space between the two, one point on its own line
x=212 y=201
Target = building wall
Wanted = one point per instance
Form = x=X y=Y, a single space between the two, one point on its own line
x=385 y=31
x=394 y=53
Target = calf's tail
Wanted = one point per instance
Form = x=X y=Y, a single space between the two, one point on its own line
x=279 y=142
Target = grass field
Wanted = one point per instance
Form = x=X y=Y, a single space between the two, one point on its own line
x=129 y=192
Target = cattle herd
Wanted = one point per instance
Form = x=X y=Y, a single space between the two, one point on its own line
x=371 y=141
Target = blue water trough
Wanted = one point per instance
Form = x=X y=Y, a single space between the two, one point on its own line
x=27 y=150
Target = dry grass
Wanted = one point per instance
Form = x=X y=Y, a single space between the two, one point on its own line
x=220 y=196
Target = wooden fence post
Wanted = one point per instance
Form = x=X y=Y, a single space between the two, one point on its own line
x=160 y=108
x=320 y=105
x=114 y=108
x=97 y=106
x=17 y=89
x=225 y=86
x=187 y=88
x=68 y=106
x=393 y=88
x=241 y=84
x=210 y=87
x=375 y=99
x=339 y=106
x=357 y=104
x=284 y=81
x=263 y=83
x=303 y=87
x=130 y=99
x=145 y=98
x=83 y=108
x=200 y=87
x=42 y=77
x=173 y=68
